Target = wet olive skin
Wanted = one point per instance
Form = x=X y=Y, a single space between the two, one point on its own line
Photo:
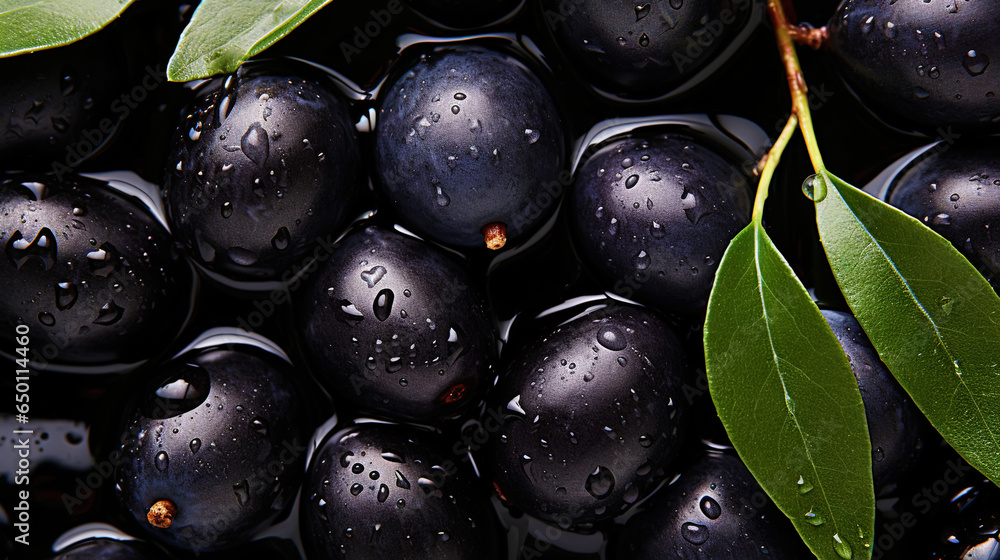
x=654 y=216
x=59 y=107
x=109 y=549
x=397 y=327
x=94 y=276
x=378 y=489
x=221 y=433
x=954 y=191
x=715 y=509
x=925 y=64
x=466 y=138
x=643 y=49
x=589 y=417
x=892 y=417
x=265 y=162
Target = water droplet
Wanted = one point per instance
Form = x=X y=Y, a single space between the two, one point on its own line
x=588 y=377
x=645 y=440
x=622 y=361
x=600 y=483
x=455 y=109
x=60 y=124
x=694 y=533
x=241 y=256
x=695 y=206
x=643 y=40
x=393 y=457
x=383 y=304
x=632 y=181
x=814 y=187
x=349 y=313
x=942 y=220
x=975 y=62
x=514 y=405
x=954 y=197
x=934 y=73
x=804 y=485
x=281 y=239
x=813 y=518
x=842 y=548
x=401 y=481
x=242 y=491
x=46 y=319
x=889 y=30
x=442 y=198
x=427 y=485
x=642 y=260
x=109 y=314
x=42 y=247
x=656 y=230
x=383 y=493
x=358 y=468
x=67 y=82
x=372 y=277
x=879 y=454
x=195 y=445
x=460 y=96
x=710 y=507
x=345 y=459
x=866 y=26
x=631 y=494
x=641 y=11
x=676 y=4
x=939 y=40
x=180 y=393
x=227 y=209
x=255 y=144
x=621 y=41
x=920 y=93
x=532 y=135
x=356 y=489
x=259 y=426
x=401 y=503
x=627 y=162
x=612 y=338
x=162 y=461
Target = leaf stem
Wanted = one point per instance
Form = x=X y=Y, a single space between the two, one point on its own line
x=770 y=164
x=796 y=83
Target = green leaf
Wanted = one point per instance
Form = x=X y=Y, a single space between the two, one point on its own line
x=932 y=317
x=224 y=33
x=32 y=25
x=785 y=392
